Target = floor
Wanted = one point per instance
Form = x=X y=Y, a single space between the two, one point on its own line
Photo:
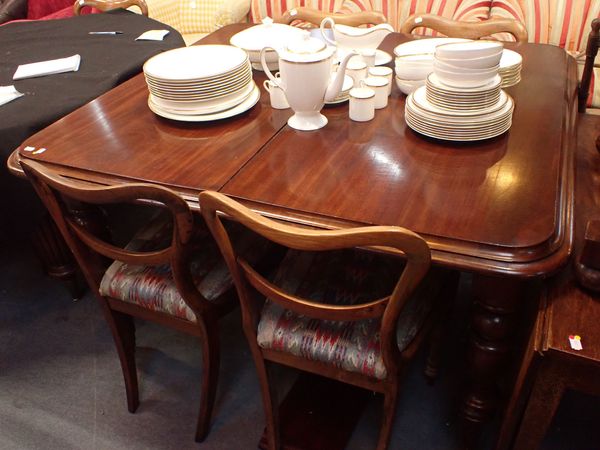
x=61 y=385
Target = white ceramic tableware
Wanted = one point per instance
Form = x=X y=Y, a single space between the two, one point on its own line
x=379 y=85
x=278 y=100
x=472 y=49
x=462 y=79
x=474 y=63
x=362 y=104
x=408 y=86
x=414 y=67
x=368 y=56
x=357 y=69
x=420 y=46
x=306 y=65
x=356 y=38
x=382 y=71
x=455 y=67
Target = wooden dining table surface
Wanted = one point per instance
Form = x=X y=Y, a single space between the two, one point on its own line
x=500 y=208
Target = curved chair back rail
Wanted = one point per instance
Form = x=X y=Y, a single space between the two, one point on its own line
x=315 y=17
x=469 y=30
x=106 y=5
x=590 y=55
x=296 y=309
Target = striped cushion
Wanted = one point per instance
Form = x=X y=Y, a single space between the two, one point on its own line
x=152 y=287
x=565 y=23
x=397 y=11
x=260 y=9
x=341 y=277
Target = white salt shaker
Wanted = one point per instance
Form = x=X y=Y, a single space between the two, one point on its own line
x=382 y=71
x=357 y=69
x=362 y=104
x=380 y=86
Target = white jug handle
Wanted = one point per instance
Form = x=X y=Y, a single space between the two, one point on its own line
x=327 y=20
x=265 y=67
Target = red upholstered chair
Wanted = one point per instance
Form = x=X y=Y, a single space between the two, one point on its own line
x=170 y=273
x=332 y=309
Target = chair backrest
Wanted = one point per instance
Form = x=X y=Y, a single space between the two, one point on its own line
x=315 y=17
x=106 y=5
x=414 y=249
x=469 y=30
x=590 y=55
x=68 y=200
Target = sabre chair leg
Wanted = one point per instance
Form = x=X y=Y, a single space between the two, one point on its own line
x=123 y=330
x=389 y=412
x=210 y=377
x=270 y=402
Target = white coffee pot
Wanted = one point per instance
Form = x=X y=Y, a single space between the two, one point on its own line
x=305 y=66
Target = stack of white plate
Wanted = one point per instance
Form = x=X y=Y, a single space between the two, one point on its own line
x=344 y=94
x=459 y=113
x=510 y=68
x=200 y=83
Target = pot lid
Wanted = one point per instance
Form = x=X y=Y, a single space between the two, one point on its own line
x=306 y=49
x=267 y=34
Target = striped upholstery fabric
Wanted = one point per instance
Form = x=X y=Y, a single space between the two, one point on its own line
x=152 y=287
x=260 y=9
x=341 y=277
x=397 y=11
x=565 y=23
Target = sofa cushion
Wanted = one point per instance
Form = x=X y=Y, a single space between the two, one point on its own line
x=341 y=277
x=260 y=9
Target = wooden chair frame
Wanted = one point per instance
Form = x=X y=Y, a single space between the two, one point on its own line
x=315 y=17
x=92 y=253
x=588 y=69
x=416 y=252
x=106 y=5
x=469 y=30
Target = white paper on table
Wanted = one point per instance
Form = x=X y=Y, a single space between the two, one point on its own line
x=8 y=94
x=70 y=64
x=152 y=35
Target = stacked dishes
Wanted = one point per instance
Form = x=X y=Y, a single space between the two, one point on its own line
x=510 y=68
x=200 y=83
x=344 y=94
x=462 y=99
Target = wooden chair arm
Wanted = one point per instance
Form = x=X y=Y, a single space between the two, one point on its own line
x=588 y=68
x=315 y=17
x=469 y=30
x=105 y=5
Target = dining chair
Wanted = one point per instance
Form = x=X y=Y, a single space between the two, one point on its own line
x=588 y=68
x=315 y=17
x=170 y=273
x=331 y=309
x=469 y=30
x=106 y=5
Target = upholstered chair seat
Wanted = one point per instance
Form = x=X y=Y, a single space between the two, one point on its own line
x=345 y=277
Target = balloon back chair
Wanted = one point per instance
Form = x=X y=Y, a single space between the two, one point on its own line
x=170 y=273
x=331 y=309
x=468 y=30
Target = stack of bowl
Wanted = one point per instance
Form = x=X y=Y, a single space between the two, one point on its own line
x=468 y=64
x=412 y=71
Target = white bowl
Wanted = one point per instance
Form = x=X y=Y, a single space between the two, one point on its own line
x=473 y=49
x=409 y=86
x=414 y=67
x=461 y=79
x=474 y=63
x=438 y=64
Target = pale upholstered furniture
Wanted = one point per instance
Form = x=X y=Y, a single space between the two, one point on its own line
x=170 y=273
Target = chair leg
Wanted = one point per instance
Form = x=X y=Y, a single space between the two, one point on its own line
x=389 y=412
x=210 y=376
x=270 y=400
x=123 y=331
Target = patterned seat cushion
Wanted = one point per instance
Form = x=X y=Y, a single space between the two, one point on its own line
x=152 y=287
x=342 y=277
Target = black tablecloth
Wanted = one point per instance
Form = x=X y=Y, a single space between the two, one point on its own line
x=106 y=61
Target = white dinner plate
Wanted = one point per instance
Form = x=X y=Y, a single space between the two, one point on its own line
x=510 y=59
x=195 y=62
x=202 y=82
x=206 y=106
x=239 y=109
x=419 y=97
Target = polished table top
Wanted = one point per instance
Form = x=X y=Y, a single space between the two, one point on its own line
x=498 y=206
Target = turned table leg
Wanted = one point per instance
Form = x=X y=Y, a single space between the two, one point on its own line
x=492 y=324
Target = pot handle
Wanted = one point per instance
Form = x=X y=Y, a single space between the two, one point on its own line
x=327 y=20
x=265 y=67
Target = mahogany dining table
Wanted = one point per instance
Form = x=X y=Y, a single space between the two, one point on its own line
x=499 y=209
